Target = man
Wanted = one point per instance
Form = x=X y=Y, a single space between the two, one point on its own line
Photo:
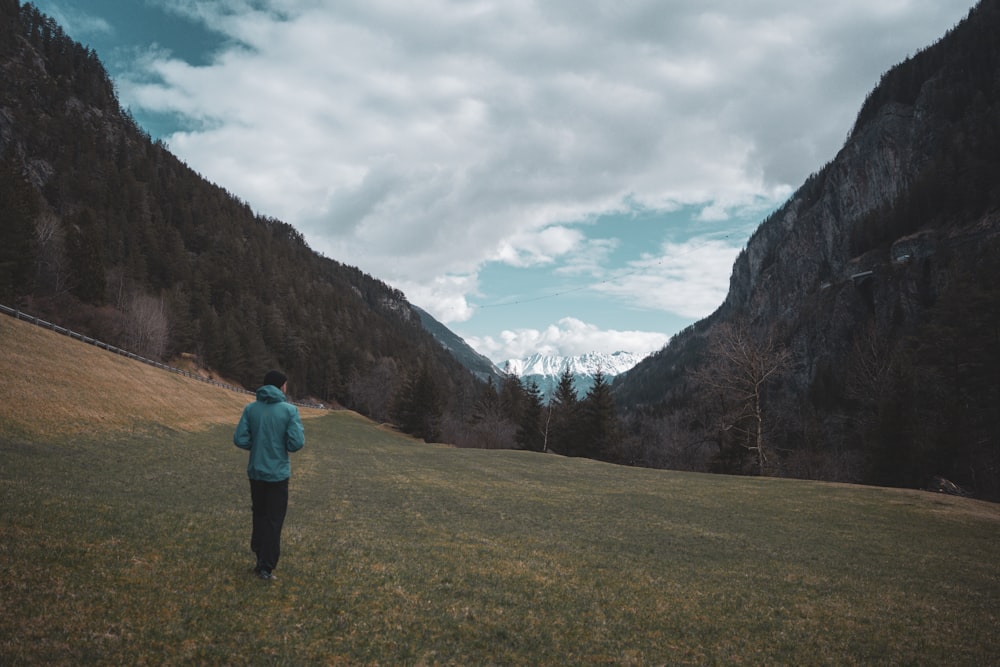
x=270 y=428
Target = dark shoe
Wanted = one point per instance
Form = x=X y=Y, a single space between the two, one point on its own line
x=265 y=575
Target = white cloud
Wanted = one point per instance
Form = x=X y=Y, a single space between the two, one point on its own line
x=567 y=337
x=543 y=246
x=446 y=294
x=690 y=279
x=591 y=257
x=423 y=141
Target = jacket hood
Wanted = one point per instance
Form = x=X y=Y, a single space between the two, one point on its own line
x=270 y=394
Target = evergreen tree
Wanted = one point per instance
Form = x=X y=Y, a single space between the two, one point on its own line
x=512 y=398
x=955 y=362
x=600 y=435
x=530 y=428
x=86 y=258
x=565 y=427
x=18 y=208
x=418 y=409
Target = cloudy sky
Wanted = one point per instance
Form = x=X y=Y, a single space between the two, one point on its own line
x=557 y=176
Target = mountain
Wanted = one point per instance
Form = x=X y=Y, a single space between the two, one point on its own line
x=478 y=364
x=106 y=232
x=545 y=370
x=858 y=338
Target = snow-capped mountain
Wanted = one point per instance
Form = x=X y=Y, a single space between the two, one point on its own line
x=545 y=370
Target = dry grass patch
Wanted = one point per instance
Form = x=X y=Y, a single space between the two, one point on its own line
x=52 y=386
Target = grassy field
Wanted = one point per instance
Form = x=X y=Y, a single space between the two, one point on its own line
x=124 y=540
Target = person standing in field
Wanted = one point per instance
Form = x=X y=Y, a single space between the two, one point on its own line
x=269 y=428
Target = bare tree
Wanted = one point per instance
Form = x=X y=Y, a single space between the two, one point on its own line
x=738 y=370
x=373 y=390
x=118 y=288
x=490 y=427
x=546 y=426
x=872 y=367
x=147 y=327
x=53 y=266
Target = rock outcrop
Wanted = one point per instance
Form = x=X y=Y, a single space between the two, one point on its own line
x=867 y=249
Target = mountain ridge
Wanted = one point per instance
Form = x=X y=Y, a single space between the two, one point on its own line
x=477 y=363
x=545 y=370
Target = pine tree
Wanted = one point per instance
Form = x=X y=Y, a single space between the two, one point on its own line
x=512 y=397
x=601 y=433
x=564 y=406
x=419 y=405
x=17 y=232
x=86 y=258
x=530 y=429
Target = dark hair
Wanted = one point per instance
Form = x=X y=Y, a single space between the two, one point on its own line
x=276 y=378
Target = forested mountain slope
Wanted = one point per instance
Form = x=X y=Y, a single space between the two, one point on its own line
x=860 y=339
x=105 y=231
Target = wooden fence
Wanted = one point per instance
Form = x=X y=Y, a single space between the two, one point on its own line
x=17 y=314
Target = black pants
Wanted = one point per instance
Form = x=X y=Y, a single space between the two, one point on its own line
x=270 y=502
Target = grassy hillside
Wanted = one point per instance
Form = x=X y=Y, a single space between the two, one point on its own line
x=123 y=540
x=52 y=386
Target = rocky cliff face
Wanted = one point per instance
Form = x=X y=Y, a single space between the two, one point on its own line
x=805 y=273
x=868 y=248
x=800 y=272
x=806 y=243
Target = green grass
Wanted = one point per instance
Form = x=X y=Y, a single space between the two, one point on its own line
x=133 y=549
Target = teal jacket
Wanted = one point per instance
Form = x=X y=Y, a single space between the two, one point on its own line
x=270 y=427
